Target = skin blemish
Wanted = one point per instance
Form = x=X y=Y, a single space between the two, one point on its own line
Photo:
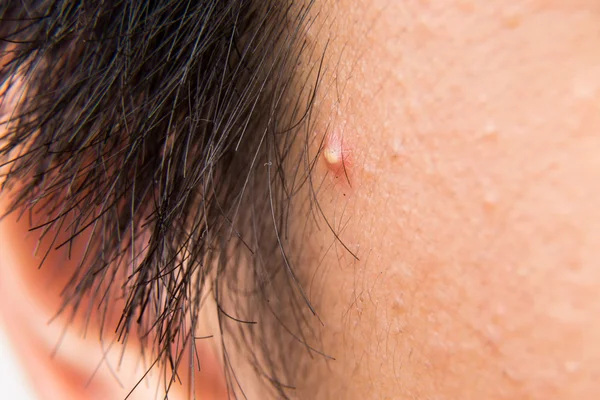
x=337 y=157
x=333 y=155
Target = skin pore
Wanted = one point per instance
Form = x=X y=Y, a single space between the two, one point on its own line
x=462 y=261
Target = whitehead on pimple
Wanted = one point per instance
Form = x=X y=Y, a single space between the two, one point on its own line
x=337 y=156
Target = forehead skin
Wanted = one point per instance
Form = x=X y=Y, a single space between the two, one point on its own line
x=473 y=205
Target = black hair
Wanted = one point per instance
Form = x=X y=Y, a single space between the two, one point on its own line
x=172 y=138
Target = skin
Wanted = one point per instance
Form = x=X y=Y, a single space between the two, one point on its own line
x=473 y=206
x=470 y=199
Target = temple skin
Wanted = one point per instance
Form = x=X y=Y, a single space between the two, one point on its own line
x=470 y=267
x=474 y=204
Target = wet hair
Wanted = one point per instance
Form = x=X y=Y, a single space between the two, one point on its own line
x=169 y=138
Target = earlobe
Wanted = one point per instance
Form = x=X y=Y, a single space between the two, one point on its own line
x=59 y=361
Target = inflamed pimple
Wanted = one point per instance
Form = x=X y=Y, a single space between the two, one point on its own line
x=333 y=155
x=337 y=156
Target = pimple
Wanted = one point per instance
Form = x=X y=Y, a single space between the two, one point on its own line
x=333 y=151
x=333 y=155
x=337 y=156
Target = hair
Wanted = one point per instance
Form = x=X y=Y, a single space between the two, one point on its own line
x=172 y=139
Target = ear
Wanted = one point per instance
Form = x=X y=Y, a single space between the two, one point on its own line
x=64 y=361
